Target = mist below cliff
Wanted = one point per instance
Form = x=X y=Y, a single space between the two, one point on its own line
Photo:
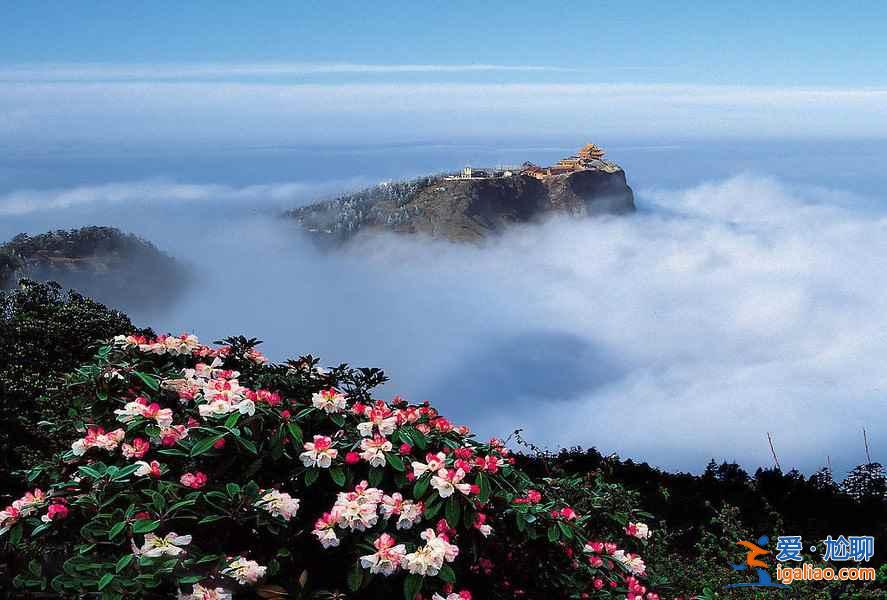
x=715 y=314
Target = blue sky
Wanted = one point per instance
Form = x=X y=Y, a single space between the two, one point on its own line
x=774 y=43
x=275 y=73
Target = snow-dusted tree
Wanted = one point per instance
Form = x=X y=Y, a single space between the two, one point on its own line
x=866 y=481
x=823 y=479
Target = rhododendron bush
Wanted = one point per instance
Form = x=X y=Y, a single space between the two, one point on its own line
x=204 y=471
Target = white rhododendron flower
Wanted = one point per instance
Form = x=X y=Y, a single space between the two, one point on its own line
x=387 y=557
x=245 y=572
x=433 y=463
x=198 y=592
x=279 y=504
x=633 y=562
x=170 y=544
x=330 y=401
x=319 y=453
x=427 y=560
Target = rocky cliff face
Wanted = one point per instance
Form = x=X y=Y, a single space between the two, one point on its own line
x=467 y=209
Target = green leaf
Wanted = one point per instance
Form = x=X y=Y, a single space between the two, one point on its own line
x=446 y=573
x=40 y=529
x=205 y=444
x=233 y=489
x=554 y=533
x=355 y=577
x=248 y=445
x=105 y=580
x=395 y=461
x=232 y=419
x=376 y=475
x=190 y=579
x=145 y=526
x=432 y=509
x=421 y=486
x=419 y=438
x=484 y=484
x=412 y=585
x=338 y=476
x=90 y=471
x=125 y=472
x=115 y=530
x=211 y=519
x=123 y=562
x=152 y=381
x=565 y=530
x=295 y=433
x=339 y=420
x=311 y=476
x=172 y=452
x=453 y=510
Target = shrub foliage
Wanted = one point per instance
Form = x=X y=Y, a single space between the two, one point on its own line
x=204 y=470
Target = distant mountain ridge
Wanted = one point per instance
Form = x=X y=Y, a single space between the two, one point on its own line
x=104 y=262
x=477 y=202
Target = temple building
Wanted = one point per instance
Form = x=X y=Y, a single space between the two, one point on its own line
x=589 y=156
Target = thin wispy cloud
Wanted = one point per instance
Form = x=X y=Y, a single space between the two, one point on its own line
x=197 y=71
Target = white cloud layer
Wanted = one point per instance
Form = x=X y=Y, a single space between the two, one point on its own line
x=685 y=332
x=354 y=113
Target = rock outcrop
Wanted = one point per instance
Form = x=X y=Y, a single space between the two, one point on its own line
x=468 y=208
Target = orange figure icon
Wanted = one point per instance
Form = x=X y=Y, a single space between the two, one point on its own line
x=754 y=551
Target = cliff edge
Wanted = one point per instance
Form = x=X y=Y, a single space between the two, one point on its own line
x=477 y=202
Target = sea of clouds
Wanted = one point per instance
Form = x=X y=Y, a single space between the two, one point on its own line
x=687 y=331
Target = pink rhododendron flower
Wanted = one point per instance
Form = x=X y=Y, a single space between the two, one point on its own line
x=480 y=523
x=137 y=449
x=408 y=512
x=170 y=436
x=387 y=557
x=374 y=450
x=193 y=480
x=638 y=530
x=55 y=512
x=381 y=419
x=319 y=453
x=433 y=463
x=357 y=510
x=145 y=468
x=463 y=595
x=447 y=481
x=324 y=531
x=97 y=438
x=9 y=515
